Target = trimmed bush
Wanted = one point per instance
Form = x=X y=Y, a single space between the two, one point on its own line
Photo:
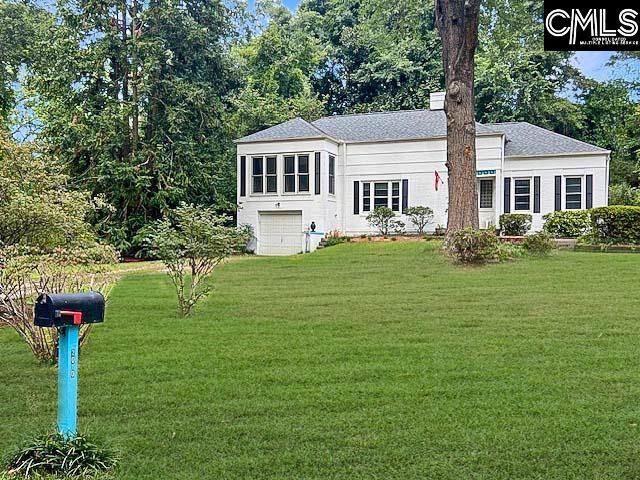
x=382 y=219
x=567 y=223
x=515 y=224
x=419 y=216
x=540 y=243
x=616 y=224
x=471 y=246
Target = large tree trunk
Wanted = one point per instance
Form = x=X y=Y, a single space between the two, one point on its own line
x=457 y=22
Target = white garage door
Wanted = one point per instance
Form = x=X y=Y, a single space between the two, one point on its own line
x=280 y=233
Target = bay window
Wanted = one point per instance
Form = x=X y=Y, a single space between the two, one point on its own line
x=264 y=175
x=296 y=173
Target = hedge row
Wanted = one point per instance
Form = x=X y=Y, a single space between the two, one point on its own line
x=616 y=224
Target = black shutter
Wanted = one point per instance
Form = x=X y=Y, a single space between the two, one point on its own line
x=589 y=191
x=356 y=198
x=405 y=195
x=536 y=194
x=243 y=176
x=317 y=173
x=507 y=194
x=558 y=190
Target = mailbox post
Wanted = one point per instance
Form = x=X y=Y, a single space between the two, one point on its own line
x=67 y=313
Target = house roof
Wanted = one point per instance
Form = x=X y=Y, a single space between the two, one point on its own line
x=525 y=139
x=522 y=138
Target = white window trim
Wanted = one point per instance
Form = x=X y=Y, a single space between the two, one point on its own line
x=310 y=173
x=335 y=158
x=372 y=195
x=513 y=195
x=264 y=192
x=583 y=192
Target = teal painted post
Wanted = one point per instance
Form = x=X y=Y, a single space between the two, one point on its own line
x=68 y=380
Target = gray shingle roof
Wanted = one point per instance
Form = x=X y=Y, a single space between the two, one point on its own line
x=522 y=138
x=526 y=139
x=294 y=128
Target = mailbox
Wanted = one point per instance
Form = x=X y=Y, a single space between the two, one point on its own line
x=61 y=309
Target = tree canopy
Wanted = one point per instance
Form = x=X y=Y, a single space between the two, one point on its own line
x=139 y=102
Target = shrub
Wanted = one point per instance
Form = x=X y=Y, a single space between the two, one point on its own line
x=616 y=224
x=398 y=227
x=540 y=243
x=26 y=272
x=381 y=218
x=473 y=246
x=335 y=238
x=624 y=194
x=515 y=224
x=53 y=455
x=420 y=217
x=191 y=241
x=567 y=223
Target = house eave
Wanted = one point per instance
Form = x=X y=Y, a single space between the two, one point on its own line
x=562 y=154
x=287 y=139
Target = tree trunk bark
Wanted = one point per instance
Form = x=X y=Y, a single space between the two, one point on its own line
x=457 y=22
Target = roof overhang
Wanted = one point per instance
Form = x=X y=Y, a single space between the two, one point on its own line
x=565 y=154
x=287 y=139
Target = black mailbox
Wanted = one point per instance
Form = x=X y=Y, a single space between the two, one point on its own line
x=60 y=309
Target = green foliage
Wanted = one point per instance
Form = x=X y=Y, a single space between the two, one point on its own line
x=471 y=246
x=624 y=194
x=382 y=218
x=53 y=455
x=335 y=238
x=515 y=224
x=420 y=217
x=616 y=224
x=191 y=241
x=138 y=110
x=37 y=208
x=567 y=223
x=539 y=243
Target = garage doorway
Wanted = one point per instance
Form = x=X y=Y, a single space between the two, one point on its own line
x=280 y=233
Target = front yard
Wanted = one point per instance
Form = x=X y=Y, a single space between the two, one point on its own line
x=371 y=360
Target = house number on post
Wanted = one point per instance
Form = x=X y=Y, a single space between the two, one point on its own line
x=67 y=313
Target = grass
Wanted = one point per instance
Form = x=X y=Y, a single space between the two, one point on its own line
x=371 y=360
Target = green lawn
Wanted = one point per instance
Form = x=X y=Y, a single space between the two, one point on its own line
x=361 y=361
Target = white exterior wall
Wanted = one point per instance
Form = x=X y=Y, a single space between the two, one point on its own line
x=415 y=161
x=412 y=160
x=547 y=168
x=321 y=209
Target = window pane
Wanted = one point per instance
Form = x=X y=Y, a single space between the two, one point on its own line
x=257 y=184
x=574 y=201
x=522 y=187
x=380 y=202
x=272 y=183
x=522 y=202
x=271 y=165
x=332 y=165
x=289 y=183
x=381 y=189
x=574 y=185
x=395 y=189
x=486 y=193
x=303 y=183
x=366 y=189
x=366 y=204
x=332 y=184
x=303 y=163
x=289 y=165
x=395 y=204
x=257 y=165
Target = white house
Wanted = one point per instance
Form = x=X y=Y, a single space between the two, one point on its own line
x=334 y=171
